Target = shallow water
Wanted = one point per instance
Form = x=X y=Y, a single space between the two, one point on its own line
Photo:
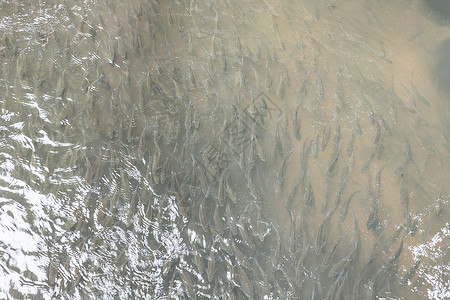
x=220 y=149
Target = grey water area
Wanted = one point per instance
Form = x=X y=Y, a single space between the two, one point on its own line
x=222 y=149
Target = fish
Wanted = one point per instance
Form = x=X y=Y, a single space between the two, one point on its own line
x=156 y=164
x=363 y=275
x=201 y=172
x=238 y=44
x=277 y=33
x=133 y=204
x=377 y=136
x=345 y=176
x=358 y=128
x=280 y=89
x=61 y=87
x=315 y=146
x=197 y=257
x=292 y=241
x=309 y=194
x=340 y=191
x=271 y=9
x=132 y=125
x=162 y=205
x=202 y=213
x=317 y=291
x=224 y=243
x=365 y=167
x=291 y=197
x=169 y=17
x=286 y=15
x=114 y=197
x=351 y=144
x=394 y=236
x=278 y=143
x=216 y=19
x=393 y=259
x=230 y=192
x=425 y=162
x=281 y=173
x=21 y=64
x=191 y=45
x=241 y=77
x=264 y=283
x=385 y=125
x=371 y=290
x=370 y=110
x=345 y=206
x=300 y=270
x=251 y=218
x=336 y=286
x=240 y=258
x=125 y=183
x=277 y=253
x=372 y=219
x=356 y=234
x=211 y=264
x=324 y=203
x=411 y=224
x=328 y=257
x=223 y=58
x=321 y=90
x=210 y=67
x=340 y=288
x=268 y=78
x=326 y=136
x=348 y=259
x=221 y=190
x=217 y=216
x=291 y=286
x=259 y=224
x=377 y=184
x=333 y=163
x=304 y=159
x=296 y=126
x=409 y=274
x=142 y=144
x=246 y=285
x=258 y=148
x=230 y=218
x=404 y=196
x=417 y=93
x=217 y=289
x=192 y=81
x=252 y=152
x=246 y=238
x=164 y=170
x=337 y=137
x=338 y=197
x=187 y=283
x=407 y=150
x=253 y=189
x=322 y=233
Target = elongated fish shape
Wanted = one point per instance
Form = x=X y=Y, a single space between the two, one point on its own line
x=410 y=274
x=322 y=233
x=281 y=173
x=345 y=206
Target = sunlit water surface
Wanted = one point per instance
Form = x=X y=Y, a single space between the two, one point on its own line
x=224 y=149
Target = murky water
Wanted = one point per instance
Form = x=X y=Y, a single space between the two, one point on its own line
x=224 y=149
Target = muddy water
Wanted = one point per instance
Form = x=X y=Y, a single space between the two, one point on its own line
x=220 y=149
